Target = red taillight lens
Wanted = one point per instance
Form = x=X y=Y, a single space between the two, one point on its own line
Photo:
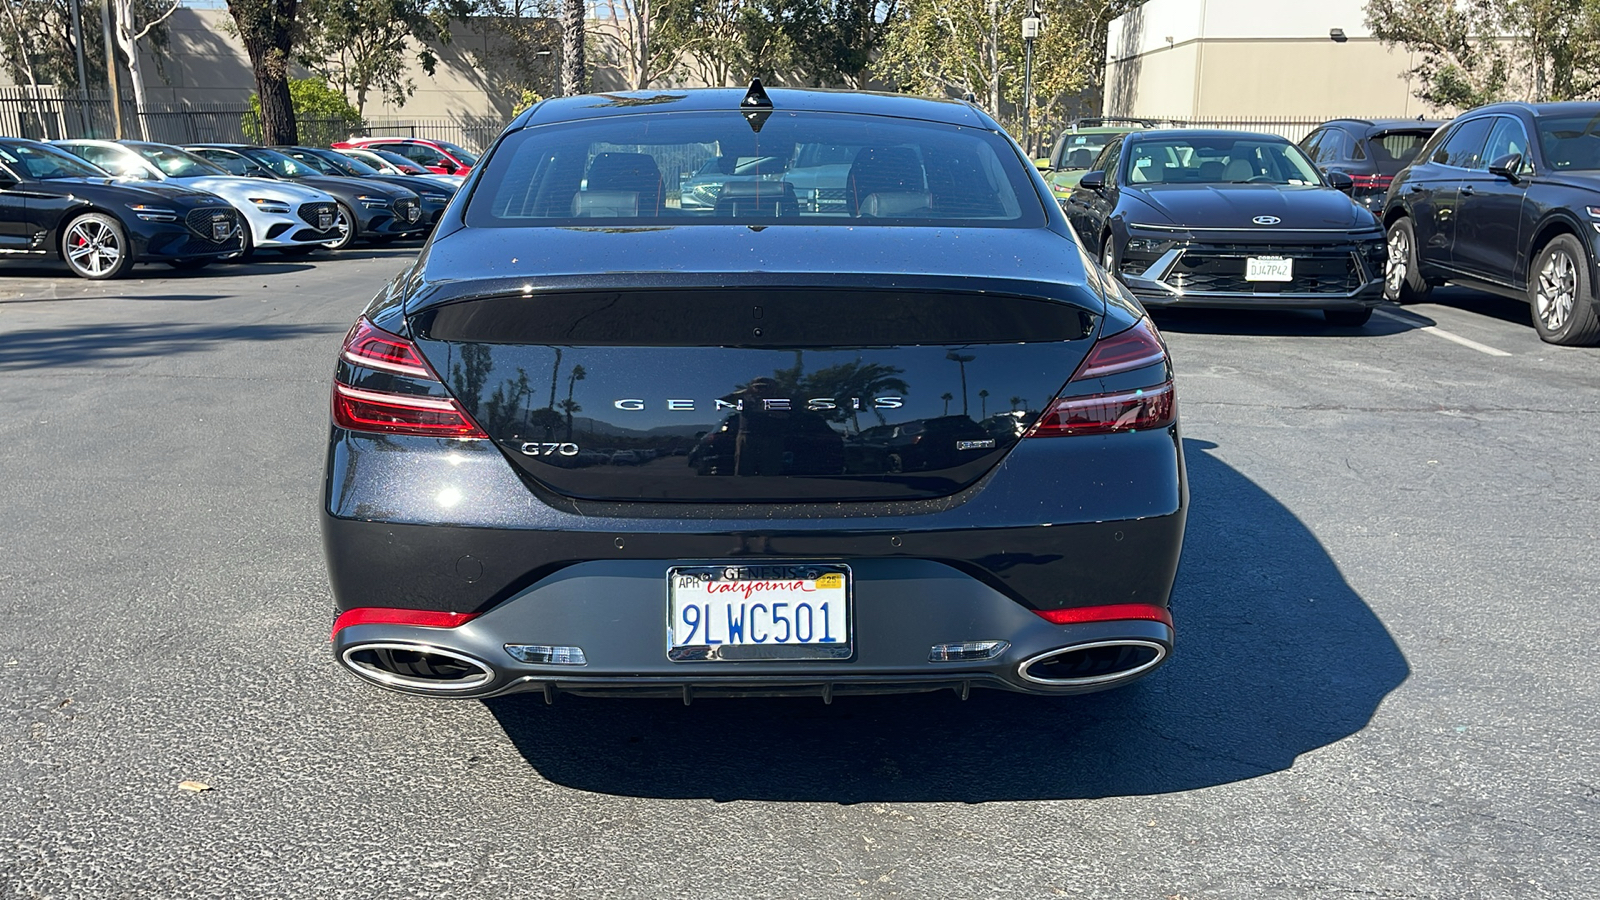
x=401 y=414
x=367 y=345
x=1141 y=409
x=1372 y=182
x=1138 y=410
x=1124 y=351
x=428 y=618
x=391 y=412
x=1114 y=613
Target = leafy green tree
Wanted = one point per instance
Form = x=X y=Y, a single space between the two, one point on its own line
x=365 y=46
x=960 y=47
x=522 y=53
x=322 y=115
x=1479 y=51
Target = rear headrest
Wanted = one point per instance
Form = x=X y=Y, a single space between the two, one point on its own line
x=883 y=170
x=1080 y=158
x=758 y=198
x=605 y=204
x=896 y=203
x=635 y=172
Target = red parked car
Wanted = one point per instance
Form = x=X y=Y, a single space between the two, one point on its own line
x=439 y=157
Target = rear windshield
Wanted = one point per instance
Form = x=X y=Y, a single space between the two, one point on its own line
x=716 y=168
x=1571 y=142
x=1395 y=150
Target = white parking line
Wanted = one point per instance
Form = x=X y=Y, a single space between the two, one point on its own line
x=1420 y=325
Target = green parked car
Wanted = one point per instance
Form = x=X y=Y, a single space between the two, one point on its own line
x=1077 y=148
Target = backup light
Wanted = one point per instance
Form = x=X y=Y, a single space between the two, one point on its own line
x=967 y=651
x=547 y=655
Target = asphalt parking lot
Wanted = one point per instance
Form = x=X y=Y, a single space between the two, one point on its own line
x=1383 y=687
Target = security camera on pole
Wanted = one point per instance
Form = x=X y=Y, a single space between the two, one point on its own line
x=1030 y=33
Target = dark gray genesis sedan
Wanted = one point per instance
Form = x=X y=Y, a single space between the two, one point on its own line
x=597 y=441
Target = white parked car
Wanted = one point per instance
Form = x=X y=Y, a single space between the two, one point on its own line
x=287 y=217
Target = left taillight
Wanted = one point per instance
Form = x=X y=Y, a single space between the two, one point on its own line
x=425 y=411
x=1139 y=409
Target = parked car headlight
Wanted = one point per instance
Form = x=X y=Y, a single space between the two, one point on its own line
x=374 y=202
x=277 y=207
x=153 y=213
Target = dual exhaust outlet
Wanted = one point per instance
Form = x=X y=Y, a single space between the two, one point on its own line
x=430 y=669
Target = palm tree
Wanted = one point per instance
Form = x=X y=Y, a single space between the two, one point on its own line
x=568 y=406
x=983 y=396
x=947 y=397
x=573 y=76
x=1015 y=402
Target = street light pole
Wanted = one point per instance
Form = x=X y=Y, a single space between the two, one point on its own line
x=1030 y=33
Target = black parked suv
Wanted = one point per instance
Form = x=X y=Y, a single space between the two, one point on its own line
x=1370 y=151
x=1505 y=199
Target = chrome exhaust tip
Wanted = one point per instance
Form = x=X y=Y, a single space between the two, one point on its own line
x=416 y=667
x=1101 y=662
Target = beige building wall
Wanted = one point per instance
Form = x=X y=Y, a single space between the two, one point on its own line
x=1241 y=59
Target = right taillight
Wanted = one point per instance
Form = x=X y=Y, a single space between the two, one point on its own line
x=1140 y=409
x=394 y=412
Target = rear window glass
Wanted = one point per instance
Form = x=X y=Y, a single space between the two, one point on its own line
x=715 y=168
x=1395 y=150
x=1571 y=142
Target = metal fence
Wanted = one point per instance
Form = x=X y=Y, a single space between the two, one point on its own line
x=47 y=115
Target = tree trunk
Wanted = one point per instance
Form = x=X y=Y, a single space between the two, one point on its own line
x=122 y=32
x=266 y=27
x=574 y=78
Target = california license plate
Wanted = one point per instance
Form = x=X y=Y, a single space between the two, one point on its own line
x=1269 y=268
x=324 y=221
x=749 y=612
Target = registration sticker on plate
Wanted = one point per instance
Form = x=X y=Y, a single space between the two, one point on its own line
x=748 y=612
x=1269 y=268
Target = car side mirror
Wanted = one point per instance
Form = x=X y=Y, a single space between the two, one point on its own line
x=1341 y=181
x=1508 y=167
x=6 y=181
x=1043 y=165
x=1093 y=181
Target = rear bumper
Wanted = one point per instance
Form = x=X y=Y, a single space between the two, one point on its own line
x=616 y=613
x=446 y=525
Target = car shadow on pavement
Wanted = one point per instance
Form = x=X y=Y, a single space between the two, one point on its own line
x=1277 y=656
x=87 y=345
x=1279 y=323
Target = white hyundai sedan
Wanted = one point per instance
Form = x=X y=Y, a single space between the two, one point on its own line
x=290 y=218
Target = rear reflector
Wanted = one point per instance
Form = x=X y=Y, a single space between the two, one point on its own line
x=1138 y=410
x=378 y=615
x=1372 y=182
x=1117 y=612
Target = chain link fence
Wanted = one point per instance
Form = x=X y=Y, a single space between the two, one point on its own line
x=47 y=115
